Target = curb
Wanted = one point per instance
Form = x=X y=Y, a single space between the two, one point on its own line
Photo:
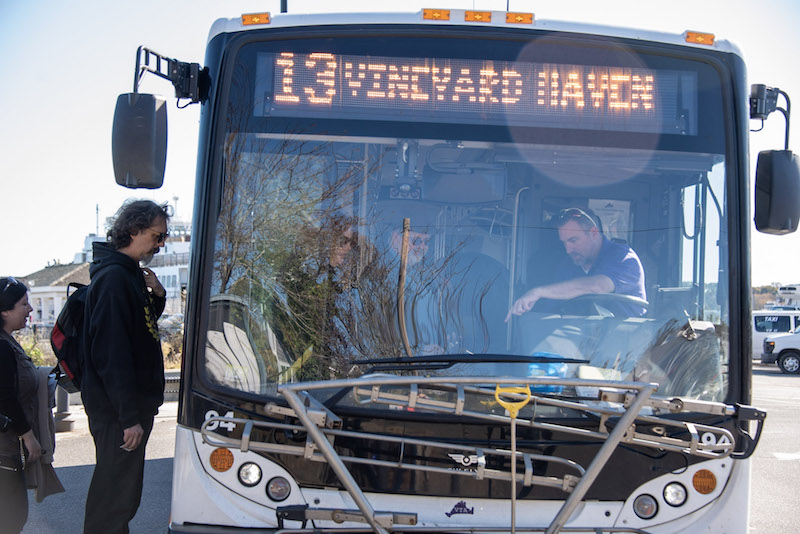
x=74 y=419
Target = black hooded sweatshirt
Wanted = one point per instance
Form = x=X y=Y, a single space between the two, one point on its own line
x=123 y=368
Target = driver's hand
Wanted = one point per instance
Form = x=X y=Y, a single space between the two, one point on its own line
x=523 y=304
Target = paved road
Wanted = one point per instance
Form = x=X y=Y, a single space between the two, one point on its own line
x=74 y=463
x=776 y=463
x=776 y=468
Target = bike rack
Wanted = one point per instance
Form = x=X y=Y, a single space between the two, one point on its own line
x=623 y=401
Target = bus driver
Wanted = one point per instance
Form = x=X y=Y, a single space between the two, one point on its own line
x=606 y=266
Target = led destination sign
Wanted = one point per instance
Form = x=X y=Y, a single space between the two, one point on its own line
x=478 y=91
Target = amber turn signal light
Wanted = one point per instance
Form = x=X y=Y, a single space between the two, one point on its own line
x=221 y=460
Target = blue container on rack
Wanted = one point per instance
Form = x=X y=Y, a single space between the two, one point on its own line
x=547 y=370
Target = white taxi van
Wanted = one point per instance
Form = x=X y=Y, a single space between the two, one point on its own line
x=770 y=322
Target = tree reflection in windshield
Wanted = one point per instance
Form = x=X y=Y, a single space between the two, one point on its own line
x=308 y=244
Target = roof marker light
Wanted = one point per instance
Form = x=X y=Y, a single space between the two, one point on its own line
x=519 y=18
x=436 y=14
x=478 y=16
x=700 y=38
x=255 y=18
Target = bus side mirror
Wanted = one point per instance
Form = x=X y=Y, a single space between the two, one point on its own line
x=139 y=141
x=777 y=194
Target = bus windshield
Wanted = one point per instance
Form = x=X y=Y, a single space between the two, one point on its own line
x=381 y=211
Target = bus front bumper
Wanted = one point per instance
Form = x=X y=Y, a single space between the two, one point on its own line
x=215 y=529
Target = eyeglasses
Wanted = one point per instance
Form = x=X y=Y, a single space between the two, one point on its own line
x=10 y=282
x=162 y=236
x=574 y=214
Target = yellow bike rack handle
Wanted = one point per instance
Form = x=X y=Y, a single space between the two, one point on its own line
x=513 y=407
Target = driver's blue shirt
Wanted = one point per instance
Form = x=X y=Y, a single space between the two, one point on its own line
x=619 y=263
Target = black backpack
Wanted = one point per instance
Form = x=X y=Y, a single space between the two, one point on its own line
x=66 y=339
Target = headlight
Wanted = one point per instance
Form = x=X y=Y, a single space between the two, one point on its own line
x=675 y=494
x=769 y=346
x=278 y=489
x=249 y=474
x=645 y=506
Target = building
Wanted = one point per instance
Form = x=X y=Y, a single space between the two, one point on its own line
x=789 y=295
x=85 y=255
x=48 y=290
x=48 y=287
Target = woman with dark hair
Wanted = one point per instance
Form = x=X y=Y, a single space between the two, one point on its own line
x=18 y=402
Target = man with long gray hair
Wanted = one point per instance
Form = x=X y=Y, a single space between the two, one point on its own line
x=123 y=368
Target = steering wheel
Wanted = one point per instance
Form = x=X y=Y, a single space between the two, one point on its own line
x=592 y=304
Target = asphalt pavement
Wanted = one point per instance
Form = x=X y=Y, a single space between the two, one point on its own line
x=74 y=463
x=776 y=462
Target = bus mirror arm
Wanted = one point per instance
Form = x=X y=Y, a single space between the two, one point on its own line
x=139 y=133
x=746 y=413
x=764 y=100
x=189 y=80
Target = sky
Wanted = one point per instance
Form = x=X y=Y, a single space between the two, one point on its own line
x=64 y=63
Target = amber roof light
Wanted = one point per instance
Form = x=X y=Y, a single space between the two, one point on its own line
x=478 y=16
x=255 y=18
x=436 y=14
x=519 y=18
x=700 y=38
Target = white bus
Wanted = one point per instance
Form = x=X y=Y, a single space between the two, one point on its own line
x=374 y=192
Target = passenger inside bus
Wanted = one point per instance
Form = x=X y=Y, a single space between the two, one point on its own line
x=595 y=265
x=454 y=294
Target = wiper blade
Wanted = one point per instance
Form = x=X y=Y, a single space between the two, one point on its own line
x=443 y=361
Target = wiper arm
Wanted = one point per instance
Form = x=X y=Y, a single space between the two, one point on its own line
x=444 y=361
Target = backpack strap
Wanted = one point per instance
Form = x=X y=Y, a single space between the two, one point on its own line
x=76 y=285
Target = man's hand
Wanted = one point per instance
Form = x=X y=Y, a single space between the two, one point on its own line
x=132 y=437
x=524 y=304
x=151 y=281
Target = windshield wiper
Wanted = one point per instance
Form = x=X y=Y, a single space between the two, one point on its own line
x=444 y=361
